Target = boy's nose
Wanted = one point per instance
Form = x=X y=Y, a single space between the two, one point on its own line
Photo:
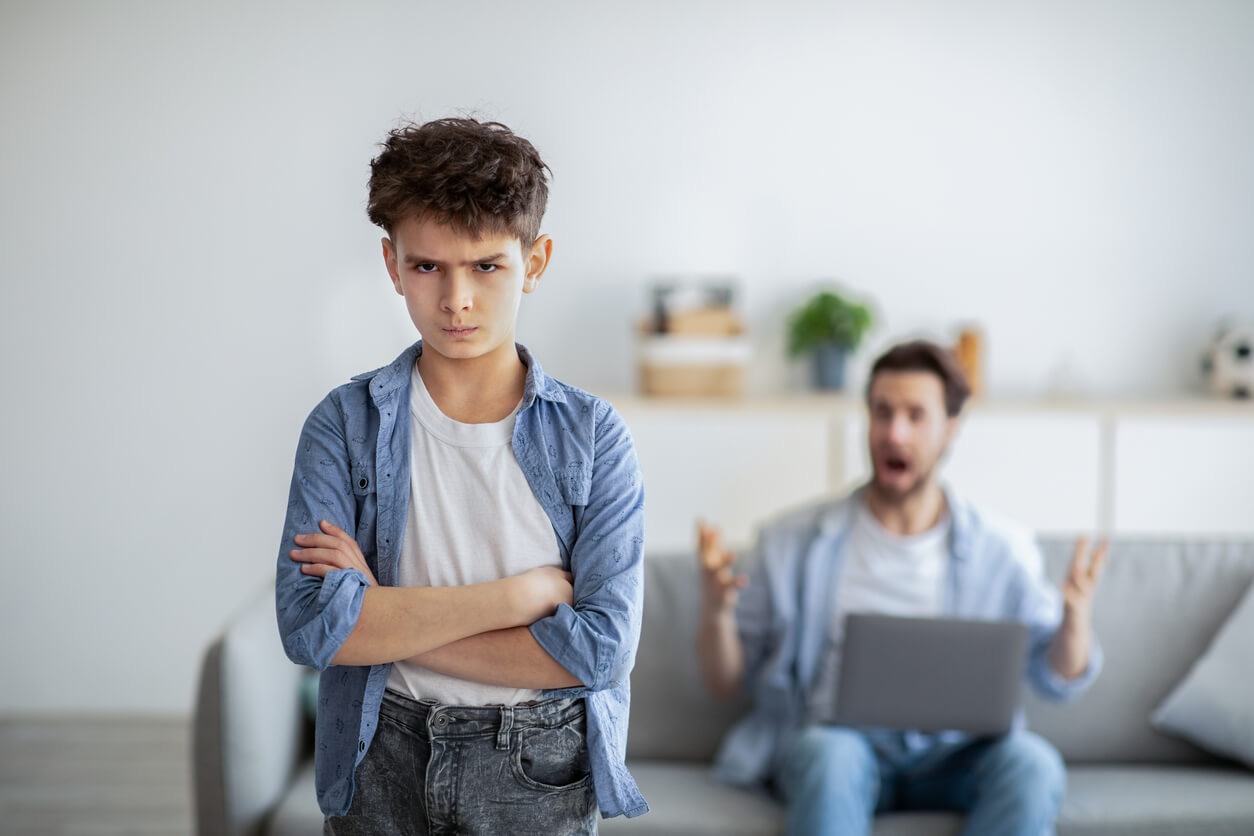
x=458 y=295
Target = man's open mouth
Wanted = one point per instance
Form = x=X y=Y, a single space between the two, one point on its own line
x=896 y=464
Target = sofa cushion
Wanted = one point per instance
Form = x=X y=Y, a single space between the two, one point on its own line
x=685 y=800
x=1157 y=801
x=1100 y=801
x=1214 y=705
x=249 y=732
x=672 y=714
x=1159 y=605
x=298 y=813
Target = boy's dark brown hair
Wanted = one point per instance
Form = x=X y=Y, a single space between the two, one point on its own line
x=924 y=356
x=478 y=177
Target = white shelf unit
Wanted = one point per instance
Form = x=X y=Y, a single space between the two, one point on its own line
x=1127 y=468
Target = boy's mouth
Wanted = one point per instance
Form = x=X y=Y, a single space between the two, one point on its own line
x=464 y=331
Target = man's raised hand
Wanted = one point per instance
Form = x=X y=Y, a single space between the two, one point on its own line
x=720 y=584
x=1083 y=577
x=1069 y=653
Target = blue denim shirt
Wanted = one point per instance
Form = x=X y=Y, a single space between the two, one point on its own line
x=353 y=469
x=994 y=573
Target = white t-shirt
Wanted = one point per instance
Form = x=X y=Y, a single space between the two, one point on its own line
x=883 y=573
x=472 y=518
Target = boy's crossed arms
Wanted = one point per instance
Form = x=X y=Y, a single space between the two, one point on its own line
x=476 y=631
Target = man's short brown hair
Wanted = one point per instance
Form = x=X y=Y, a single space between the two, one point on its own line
x=925 y=356
x=478 y=177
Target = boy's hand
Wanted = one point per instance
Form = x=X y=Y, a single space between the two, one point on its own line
x=331 y=549
x=720 y=584
x=537 y=592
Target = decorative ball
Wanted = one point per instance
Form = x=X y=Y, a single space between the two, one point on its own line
x=1229 y=362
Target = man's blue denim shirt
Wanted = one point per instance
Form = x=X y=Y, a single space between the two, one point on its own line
x=994 y=573
x=353 y=469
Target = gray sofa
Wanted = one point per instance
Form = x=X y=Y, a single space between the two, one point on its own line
x=1160 y=604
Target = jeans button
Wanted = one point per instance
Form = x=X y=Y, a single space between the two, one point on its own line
x=441 y=721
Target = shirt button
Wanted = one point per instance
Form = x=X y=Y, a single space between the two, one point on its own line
x=361 y=745
x=363 y=482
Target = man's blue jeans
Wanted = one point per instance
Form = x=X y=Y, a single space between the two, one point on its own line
x=490 y=770
x=834 y=781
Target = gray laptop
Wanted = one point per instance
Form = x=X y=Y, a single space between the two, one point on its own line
x=931 y=674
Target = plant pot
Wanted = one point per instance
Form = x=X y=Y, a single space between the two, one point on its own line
x=828 y=366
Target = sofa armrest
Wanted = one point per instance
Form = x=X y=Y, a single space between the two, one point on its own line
x=249 y=733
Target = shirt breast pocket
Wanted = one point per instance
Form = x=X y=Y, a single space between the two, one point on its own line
x=361 y=479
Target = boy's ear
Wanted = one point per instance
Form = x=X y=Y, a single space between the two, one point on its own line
x=389 y=259
x=537 y=262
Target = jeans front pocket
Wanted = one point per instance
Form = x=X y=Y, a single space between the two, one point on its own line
x=552 y=759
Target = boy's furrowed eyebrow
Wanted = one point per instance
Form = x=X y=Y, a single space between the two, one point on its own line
x=422 y=259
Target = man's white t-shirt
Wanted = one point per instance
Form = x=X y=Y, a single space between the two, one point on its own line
x=883 y=573
x=472 y=518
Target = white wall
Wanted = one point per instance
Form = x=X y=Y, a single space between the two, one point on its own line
x=186 y=266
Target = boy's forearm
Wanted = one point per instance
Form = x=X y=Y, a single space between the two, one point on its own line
x=400 y=622
x=511 y=657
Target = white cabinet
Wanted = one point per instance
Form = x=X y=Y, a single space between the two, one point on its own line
x=1189 y=474
x=1041 y=468
x=730 y=467
x=1132 y=469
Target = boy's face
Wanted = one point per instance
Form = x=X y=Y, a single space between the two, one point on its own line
x=462 y=292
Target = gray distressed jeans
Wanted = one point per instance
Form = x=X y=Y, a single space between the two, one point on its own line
x=439 y=769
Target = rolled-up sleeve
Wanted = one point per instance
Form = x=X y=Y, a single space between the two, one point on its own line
x=754 y=618
x=316 y=615
x=1049 y=683
x=596 y=639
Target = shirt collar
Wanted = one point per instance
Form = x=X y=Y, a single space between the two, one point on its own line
x=539 y=384
x=839 y=517
x=387 y=379
x=962 y=523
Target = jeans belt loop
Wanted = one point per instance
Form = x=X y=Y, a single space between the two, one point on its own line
x=507 y=723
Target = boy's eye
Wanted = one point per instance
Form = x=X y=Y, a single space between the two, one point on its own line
x=425 y=268
x=487 y=268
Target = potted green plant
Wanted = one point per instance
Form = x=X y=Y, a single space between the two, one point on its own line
x=830 y=327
